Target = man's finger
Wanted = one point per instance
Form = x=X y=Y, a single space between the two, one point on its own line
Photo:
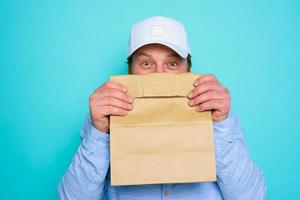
x=112 y=101
x=205 y=78
x=210 y=105
x=111 y=110
x=116 y=94
x=204 y=87
x=113 y=85
x=207 y=96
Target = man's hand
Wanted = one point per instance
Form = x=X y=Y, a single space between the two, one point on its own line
x=209 y=94
x=109 y=99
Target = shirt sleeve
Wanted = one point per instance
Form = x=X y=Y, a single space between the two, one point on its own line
x=237 y=176
x=85 y=178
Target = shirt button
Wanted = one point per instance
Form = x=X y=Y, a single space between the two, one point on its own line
x=166 y=193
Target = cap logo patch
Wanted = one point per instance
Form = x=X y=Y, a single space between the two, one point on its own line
x=157 y=30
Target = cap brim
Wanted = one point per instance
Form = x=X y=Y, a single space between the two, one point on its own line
x=181 y=52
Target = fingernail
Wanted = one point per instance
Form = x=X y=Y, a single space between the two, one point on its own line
x=190 y=95
x=191 y=102
x=130 y=99
x=196 y=83
x=130 y=106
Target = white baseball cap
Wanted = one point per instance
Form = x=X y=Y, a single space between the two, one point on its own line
x=159 y=30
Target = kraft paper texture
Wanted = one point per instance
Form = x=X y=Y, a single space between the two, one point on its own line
x=163 y=139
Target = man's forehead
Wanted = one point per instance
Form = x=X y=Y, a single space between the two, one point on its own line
x=150 y=50
x=169 y=55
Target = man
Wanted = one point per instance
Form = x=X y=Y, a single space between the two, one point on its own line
x=160 y=44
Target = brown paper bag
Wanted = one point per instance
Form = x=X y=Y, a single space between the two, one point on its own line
x=162 y=140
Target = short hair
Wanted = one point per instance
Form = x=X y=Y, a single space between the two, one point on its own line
x=129 y=63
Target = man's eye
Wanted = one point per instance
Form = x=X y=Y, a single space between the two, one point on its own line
x=146 y=64
x=172 y=65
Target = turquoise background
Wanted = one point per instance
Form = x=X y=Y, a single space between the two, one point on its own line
x=53 y=54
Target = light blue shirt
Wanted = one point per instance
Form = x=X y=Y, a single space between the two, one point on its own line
x=238 y=178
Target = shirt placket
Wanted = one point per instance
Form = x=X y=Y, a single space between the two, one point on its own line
x=166 y=192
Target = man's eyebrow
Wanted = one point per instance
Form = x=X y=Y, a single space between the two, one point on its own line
x=174 y=55
x=142 y=54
